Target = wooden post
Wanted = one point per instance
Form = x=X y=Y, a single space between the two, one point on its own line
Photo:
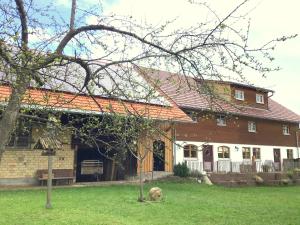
x=49 y=182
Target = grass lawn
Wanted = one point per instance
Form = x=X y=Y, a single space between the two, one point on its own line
x=184 y=203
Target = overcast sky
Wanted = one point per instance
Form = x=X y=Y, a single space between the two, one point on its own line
x=269 y=19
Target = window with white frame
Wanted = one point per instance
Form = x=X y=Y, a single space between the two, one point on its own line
x=239 y=95
x=256 y=153
x=190 y=151
x=289 y=154
x=221 y=120
x=260 y=98
x=251 y=126
x=285 y=129
x=246 y=152
x=223 y=152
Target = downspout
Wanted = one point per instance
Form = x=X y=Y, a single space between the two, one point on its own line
x=174 y=145
x=297 y=143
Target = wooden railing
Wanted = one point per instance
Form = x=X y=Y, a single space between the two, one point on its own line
x=194 y=165
x=247 y=166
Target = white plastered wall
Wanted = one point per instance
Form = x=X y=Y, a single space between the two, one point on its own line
x=236 y=155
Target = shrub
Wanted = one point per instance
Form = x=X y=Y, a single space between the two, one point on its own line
x=296 y=170
x=181 y=170
x=290 y=174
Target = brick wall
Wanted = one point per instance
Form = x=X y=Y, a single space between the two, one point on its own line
x=23 y=163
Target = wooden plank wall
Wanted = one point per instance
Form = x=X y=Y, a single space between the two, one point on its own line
x=144 y=143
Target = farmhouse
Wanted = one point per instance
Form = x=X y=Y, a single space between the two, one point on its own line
x=236 y=125
x=22 y=163
x=216 y=126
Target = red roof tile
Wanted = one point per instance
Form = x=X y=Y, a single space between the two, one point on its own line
x=72 y=102
x=182 y=91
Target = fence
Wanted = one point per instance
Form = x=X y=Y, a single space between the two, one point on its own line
x=226 y=166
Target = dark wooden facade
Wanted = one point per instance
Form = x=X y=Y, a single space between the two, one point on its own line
x=268 y=132
x=250 y=97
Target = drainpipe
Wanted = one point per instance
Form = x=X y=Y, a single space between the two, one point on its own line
x=174 y=145
x=297 y=142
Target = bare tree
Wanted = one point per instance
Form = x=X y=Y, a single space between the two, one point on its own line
x=39 y=49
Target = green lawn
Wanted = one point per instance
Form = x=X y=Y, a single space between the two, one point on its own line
x=184 y=203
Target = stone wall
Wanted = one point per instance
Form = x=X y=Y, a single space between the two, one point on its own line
x=19 y=166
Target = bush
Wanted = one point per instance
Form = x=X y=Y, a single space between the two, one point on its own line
x=290 y=174
x=181 y=170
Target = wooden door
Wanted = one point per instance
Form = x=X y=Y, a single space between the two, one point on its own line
x=159 y=156
x=208 y=158
x=277 y=159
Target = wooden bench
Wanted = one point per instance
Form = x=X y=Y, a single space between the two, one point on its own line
x=59 y=176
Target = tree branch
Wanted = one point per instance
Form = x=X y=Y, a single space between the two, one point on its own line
x=72 y=18
x=72 y=33
x=23 y=20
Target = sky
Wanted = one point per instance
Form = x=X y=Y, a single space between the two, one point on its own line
x=269 y=19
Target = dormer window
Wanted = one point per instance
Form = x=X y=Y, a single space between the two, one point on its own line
x=221 y=121
x=285 y=129
x=239 y=95
x=192 y=115
x=259 y=98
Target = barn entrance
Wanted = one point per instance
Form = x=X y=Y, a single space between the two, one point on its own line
x=93 y=165
x=90 y=165
x=158 y=155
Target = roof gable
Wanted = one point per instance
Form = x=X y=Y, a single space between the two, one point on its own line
x=183 y=91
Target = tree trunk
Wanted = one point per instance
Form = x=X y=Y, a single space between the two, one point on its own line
x=112 y=174
x=49 y=182
x=141 y=197
x=11 y=112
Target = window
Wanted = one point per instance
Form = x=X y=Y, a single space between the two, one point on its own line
x=246 y=152
x=190 y=151
x=260 y=98
x=289 y=153
x=221 y=121
x=256 y=153
x=251 y=126
x=21 y=137
x=192 y=115
x=239 y=95
x=285 y=129
x=159 y=148
x=223 y=152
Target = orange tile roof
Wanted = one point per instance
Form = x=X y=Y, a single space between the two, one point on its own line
x=74 y=102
